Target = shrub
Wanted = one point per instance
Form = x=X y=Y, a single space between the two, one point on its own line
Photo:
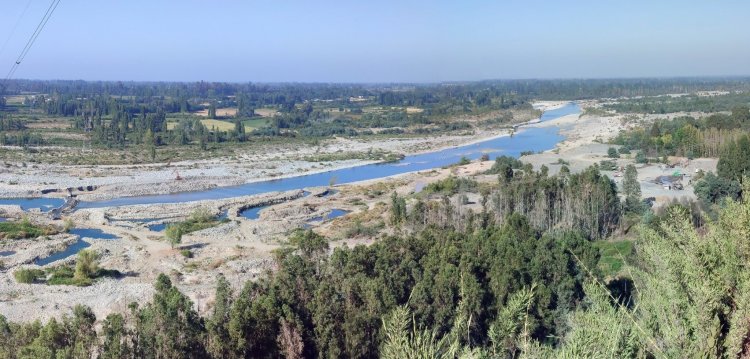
x=463 y=162
x=607 y=165
x=612 y=153
x=86 y=265
x=24 y=229
x=28 y=275
x=186 y=253
x=504 y=162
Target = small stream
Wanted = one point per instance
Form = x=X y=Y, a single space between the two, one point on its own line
x=42 y=204
x=77 y=246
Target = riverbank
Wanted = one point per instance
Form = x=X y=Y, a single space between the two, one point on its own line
x=241 y=248
x=108 y=182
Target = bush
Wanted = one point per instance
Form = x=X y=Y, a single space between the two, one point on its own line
x=186 y=253
x=451 y=185
x=463 y=162
x=640 y=158
x=712 y=188
x=28 y=275
x=612 y=153
x=358 y=229
x=200 y=219
x=607 y=165
x=503 y=162
x=24 y=229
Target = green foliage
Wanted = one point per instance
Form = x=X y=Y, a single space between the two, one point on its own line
x=217 y=325
x=613 y=256
x=401 y=341
x=631 y=188
x=497 y=290
x=198 y=220
x=464 y=161
x=28 y=275
x=168 y=327
x=115 y=335
x=86 y=265
x=451 y=185
x=640 y=157
x=173 y=233
x=608 y=165
x=502 y=163
x=357 y=229
x=612 y=153
x=398 y=209
x=586 y=201
x=24 y=229
x=734 y=160
x=712 y=189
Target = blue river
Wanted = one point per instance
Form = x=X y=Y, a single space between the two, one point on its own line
x=525 y=139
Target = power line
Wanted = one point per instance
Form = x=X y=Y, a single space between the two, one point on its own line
x=32 y=39
x=13 y=30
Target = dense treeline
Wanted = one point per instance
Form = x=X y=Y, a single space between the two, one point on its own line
x=495 y=289
x=586 y=202
x=719 y=135
x=497 y=292
x=685 y=103
x=687 y=136
x=317 y=305
x=389 y=94
x=118 y=114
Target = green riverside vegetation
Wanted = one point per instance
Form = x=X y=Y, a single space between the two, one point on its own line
x=24 y=229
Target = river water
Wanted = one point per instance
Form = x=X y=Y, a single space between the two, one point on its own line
x=525 y=139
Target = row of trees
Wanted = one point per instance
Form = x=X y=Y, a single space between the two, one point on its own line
x=501 y=291
x=317 y=305
x=686 y=136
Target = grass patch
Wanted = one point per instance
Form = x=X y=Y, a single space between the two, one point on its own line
x=357 y=229
x=65 y=275
x=200 y=219
x=613 y=255
x=255 y=123
x=84 y=273
x=24 y=229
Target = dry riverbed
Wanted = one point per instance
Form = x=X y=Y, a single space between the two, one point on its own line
x=242 y=248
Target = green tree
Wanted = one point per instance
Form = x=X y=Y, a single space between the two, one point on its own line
x=640 y=157
x=712 y=188
x=86 y=265
x=168 y=327
x=218 y=324
x=734 y=159
x=115 y=344
x=173 y=233
x=398 y=209
x=631 y=189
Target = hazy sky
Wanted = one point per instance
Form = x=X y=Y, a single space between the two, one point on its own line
x=377 y=41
